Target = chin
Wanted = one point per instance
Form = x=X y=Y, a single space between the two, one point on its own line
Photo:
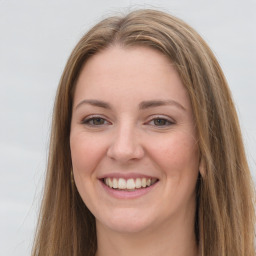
x=127 y=227
x=126 y=223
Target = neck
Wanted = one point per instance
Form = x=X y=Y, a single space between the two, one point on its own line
x=174 y=239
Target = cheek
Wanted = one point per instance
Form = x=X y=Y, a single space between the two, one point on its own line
x=176 y=155
x=86 y=152
x=179 y=162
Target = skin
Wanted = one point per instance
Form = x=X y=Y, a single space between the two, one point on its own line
x=125 y=139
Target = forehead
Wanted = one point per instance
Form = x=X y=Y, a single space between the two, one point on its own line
x=137 y=72
x=117 y=60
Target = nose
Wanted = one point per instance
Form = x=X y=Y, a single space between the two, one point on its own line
x=125 y=145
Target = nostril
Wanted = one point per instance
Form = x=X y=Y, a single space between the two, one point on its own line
x=125 y=152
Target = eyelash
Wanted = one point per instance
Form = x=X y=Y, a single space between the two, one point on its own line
x=167 y=122
x=164 y=122
x=88 y=120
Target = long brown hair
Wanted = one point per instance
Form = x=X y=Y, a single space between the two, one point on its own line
x=225 y=199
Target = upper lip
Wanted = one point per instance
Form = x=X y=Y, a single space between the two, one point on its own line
x=126 y=176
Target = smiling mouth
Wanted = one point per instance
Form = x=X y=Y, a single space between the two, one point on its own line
x=129 y=184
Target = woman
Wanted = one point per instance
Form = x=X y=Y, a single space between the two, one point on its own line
x=146 y=154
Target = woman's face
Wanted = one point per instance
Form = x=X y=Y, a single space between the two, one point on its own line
x=133 y=141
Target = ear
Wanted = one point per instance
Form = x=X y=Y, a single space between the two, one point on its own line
x=202 y=167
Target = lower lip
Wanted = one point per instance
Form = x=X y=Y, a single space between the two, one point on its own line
x=127 y=194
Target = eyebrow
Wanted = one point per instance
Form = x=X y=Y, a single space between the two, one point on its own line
x=97 y=103
x=142 y=105
x=158 y=103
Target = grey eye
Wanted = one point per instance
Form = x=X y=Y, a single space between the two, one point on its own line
x=161 y=122
x=95 y=121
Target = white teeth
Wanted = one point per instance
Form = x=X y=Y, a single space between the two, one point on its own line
x=130 y=184
x=121 y=184
x=143 y=182
x=109 y=182
x=115 y=183
x=138 y=183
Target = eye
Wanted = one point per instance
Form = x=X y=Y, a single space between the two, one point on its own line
x=95 y=121
x=160 y=121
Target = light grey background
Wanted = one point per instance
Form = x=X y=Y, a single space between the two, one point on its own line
x=36 y=38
